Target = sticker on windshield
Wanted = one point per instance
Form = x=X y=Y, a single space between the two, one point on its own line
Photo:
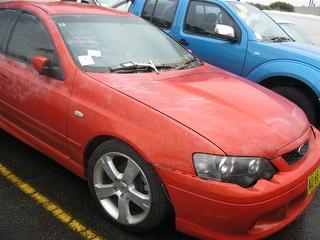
x=61 y=24
x=94 y=53
x=86 y=60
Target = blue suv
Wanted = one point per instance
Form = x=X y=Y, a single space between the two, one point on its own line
x=241 y=39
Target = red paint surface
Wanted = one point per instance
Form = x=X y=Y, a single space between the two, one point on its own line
x=166 y=117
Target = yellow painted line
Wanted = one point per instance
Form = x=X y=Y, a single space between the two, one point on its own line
x=49 y=206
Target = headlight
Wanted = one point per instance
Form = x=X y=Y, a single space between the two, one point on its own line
x=244 y=171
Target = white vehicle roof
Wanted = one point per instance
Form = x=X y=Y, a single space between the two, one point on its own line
x=292 y=14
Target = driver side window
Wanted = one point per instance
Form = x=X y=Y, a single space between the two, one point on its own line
x=202 y=19
x=30 y=38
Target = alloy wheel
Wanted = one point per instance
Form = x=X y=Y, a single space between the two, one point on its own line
x=122 y=188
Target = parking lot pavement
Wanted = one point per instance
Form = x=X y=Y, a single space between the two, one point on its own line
x=23 y=218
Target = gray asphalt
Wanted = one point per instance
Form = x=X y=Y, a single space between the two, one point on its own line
x=21 y=218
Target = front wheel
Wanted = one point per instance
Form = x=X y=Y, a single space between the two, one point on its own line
x=301 y=99
x=127 y=189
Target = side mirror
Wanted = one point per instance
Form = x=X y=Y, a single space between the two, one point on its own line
x=225 y=32
x=40 y=63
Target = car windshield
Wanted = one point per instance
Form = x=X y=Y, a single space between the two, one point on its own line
x=104 y=42
x=295 y=32
x=263 y=27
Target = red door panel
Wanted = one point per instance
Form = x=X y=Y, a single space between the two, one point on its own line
x=37 y=103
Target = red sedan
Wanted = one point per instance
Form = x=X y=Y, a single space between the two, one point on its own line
x=154 y=130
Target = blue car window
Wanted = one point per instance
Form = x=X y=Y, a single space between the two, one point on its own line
x=148 y=10
x=202 y=18
x=160 y=12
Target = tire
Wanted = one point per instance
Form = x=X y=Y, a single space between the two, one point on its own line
x=301 y=99
x=118 y=176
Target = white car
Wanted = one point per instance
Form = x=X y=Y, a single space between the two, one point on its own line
x=301 y=27
x=294 y=31
x=117 y=4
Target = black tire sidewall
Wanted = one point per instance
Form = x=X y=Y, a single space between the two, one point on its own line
x=301 y=99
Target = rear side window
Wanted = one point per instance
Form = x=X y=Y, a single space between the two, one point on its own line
x=203 y=17
x=7 y=20
x=160 y=12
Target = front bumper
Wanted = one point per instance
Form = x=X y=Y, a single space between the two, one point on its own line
x=214 y=210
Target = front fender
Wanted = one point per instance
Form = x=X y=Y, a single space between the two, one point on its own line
x=287 y=68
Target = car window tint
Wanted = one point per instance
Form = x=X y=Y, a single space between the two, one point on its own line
x=29 y=38
x=148 y=9
x=160 y=12
x=98 y=42
x=7 y=20
x=203 y=17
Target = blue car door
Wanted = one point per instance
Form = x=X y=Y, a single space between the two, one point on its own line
x=195 y=29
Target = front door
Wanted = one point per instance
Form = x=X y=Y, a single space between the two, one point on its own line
x=8 y=18
x=197 y=32
x=38 y=102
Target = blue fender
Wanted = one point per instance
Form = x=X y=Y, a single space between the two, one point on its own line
x=288 y=68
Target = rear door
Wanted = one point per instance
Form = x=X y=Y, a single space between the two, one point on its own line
x=161 y=13
x=37 y=102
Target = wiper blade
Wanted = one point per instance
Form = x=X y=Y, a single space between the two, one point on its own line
x=134 y=67
x=166 y=66
x=185 y=63
x=281 y=39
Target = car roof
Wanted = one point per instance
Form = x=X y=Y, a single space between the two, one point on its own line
x=64 y=7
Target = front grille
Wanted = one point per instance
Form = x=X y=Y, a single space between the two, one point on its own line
x=297 y=154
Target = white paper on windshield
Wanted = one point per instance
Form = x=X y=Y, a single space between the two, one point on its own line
x=85 y=60
x=94 y=53
x=258 y=36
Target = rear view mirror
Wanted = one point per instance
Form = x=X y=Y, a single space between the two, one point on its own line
x=225 y=32
x=40 y=63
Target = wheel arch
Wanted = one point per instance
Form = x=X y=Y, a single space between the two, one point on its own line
x=92 y=145
x=97 y=141
x=288 y=70
x=277 y=81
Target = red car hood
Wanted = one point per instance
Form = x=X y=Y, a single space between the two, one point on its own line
x=240 y=117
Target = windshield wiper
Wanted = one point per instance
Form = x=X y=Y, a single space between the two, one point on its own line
x=281 y=39
x=185 y=63
x=129 y=67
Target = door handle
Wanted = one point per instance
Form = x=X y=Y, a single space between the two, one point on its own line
x=183 y=42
